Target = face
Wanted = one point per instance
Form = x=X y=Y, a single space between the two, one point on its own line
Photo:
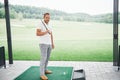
x=47 y=18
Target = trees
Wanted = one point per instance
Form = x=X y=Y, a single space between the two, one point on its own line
x=2 y=13
x=13 y=14
x=30 y=12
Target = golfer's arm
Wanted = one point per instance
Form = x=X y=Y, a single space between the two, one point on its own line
x=40 y=33
x=52 y=39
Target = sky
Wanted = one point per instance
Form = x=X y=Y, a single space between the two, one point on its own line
x=92 y=7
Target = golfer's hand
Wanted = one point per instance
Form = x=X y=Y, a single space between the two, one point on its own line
x=53 y=46
x=47 y=31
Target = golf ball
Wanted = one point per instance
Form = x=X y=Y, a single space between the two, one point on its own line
x=64 y=73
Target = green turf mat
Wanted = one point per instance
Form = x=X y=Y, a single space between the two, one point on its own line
x=59 y=73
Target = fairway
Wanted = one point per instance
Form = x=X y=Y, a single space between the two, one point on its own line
x=74 y=41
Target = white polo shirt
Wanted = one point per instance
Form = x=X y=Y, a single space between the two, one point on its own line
x=45 y=39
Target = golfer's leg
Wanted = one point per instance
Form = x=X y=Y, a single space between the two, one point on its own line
x=48 y=55
x=43 y=49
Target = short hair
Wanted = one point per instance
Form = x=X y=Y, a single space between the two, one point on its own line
x=46 y=14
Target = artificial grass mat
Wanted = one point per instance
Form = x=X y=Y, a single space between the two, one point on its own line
x=58 y=73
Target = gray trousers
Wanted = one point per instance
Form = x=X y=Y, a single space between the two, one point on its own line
x=45 y=54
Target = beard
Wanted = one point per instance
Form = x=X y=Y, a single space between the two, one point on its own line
x=46 y=21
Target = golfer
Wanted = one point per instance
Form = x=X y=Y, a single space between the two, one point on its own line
x=44 y=31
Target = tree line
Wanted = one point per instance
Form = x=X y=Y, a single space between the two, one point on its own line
x=30 y=12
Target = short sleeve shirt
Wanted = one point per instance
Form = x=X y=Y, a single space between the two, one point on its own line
x=45 y=39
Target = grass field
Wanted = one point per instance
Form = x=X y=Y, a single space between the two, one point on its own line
x=74 y=41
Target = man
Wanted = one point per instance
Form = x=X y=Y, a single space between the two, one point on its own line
x=44 y=31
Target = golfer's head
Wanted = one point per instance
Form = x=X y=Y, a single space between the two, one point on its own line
x=46 y=17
